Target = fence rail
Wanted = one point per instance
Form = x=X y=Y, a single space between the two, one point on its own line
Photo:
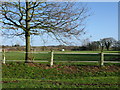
x=74 y=53
x=61 y=61
x=113 y=53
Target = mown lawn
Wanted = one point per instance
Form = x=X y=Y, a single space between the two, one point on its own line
x=61 y=75
x=64 y=57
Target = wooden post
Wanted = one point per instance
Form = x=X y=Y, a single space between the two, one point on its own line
x=4 y=56
x=51 y=60
x=101 y=59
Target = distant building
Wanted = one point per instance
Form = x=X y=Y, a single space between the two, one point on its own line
x=0 y=49
x=63 y=50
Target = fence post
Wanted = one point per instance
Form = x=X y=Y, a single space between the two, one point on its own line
x=4 y=56
x=101 y=59
x=51 y=60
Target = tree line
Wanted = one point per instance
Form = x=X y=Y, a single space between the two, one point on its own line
x=103 y=44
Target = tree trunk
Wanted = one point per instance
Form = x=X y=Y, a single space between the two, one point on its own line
x=27 y=37
x=27 y=34
x=107 y=48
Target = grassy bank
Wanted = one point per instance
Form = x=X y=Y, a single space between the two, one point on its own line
x=61 y=75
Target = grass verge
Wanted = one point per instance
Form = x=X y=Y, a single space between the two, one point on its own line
x=61 y=75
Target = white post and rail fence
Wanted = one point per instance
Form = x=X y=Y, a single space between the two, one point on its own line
x=52 y=53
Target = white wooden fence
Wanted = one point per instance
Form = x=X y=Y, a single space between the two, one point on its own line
x=101 y=61
x=52 y=53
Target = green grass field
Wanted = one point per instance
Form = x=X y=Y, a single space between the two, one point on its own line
x=64 y=57
x=61 y=75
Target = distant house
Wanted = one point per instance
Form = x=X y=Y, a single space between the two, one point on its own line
x=0 y=49
x=63 y=50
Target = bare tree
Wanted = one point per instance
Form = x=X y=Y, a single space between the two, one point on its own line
x=93 y=45
x=116 y=45
x=58 y=19
x=108 y=42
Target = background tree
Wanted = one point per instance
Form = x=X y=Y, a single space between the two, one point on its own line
x=116 y=45
x=107 y=42
x=93 y=45
x=59 y=20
